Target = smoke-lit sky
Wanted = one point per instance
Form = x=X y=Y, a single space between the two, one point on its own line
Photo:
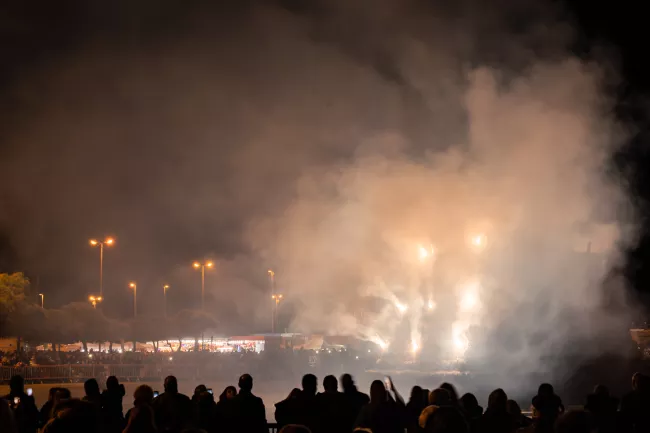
x=317 y=138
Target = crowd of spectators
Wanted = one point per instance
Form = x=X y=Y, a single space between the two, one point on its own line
x=306 y=410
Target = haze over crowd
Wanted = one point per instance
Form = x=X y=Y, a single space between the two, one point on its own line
x=330 y=141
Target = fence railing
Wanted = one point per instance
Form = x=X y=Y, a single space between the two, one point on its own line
x=81 y=372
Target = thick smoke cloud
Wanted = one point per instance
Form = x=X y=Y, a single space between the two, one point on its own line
x=332 y=141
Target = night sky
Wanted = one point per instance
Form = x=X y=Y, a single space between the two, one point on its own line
x=109 y=126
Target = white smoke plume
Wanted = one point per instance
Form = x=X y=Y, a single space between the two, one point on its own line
x=480 y=221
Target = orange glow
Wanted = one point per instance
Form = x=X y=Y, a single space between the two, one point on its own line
x=165 y=287
x=109 y=241
x=93 y=242
x=197 y=265
x=271 y=273
x=209 y=264
x=132 y=285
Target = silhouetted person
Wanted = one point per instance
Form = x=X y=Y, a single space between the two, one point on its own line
x=197 y=391
x=330 y=405
x=414 y=408
x=602 y=408
x=46 y=409
x=284 y=408
x=382 y=414
x=93 y=395
x=113 y=415
x=249 y=411
x=496 y=418
x=7 y=420
x=453 y=395
x=354 y=400
x=24 y=408
x=205 y=412
x=447 y=419
x=73 y=416
x=520 y=420
x=472 y=410
x=635 y=406
x=225 y=409
x=439 y=397
x=172 y=410
x=546 y=397
x=140 y=419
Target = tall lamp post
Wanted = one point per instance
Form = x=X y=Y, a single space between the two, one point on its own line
x=165 y=287
x=135 y=298
x=272 y=281
x=94 y=300
x=108 y=242
x=202 y=266
x=277 y=298
x=42 y=300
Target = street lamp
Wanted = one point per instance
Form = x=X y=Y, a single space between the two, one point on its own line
x=94 y=300
x=135 y=298
x=272 y=280
x=277 y=298
x=93 y=243
x=165 y=287
x=42 y=300
x=202 y=266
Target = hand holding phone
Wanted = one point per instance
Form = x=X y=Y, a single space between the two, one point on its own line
x=210 y=390
x=155 y=394
x=30 y=392
x=388 y=382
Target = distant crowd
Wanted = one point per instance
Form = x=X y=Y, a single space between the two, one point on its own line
x=306 y=410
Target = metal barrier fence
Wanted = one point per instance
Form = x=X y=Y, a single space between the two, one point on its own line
x=81 y=372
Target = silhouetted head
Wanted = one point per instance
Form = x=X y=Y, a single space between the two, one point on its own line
x=601 y=391
x=425 y=396
x=330 y=384
x=245 y=383
x=498 y=400
x=229 y=392
x=377 y=391
x=143 y=394
x=512 y=407
x=447 y=419
x=199 y=389
x=91 y=387
x=309 y=384
x=439 y=397
x=416 y=395
x=453 y=395
x=470 y=405
x=17 y=384
x=112 y=384
x=52 y=393
x=171 y=385
x=347 y=383
x=545 y=389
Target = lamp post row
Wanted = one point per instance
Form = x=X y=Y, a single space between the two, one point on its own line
x=109 y=242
